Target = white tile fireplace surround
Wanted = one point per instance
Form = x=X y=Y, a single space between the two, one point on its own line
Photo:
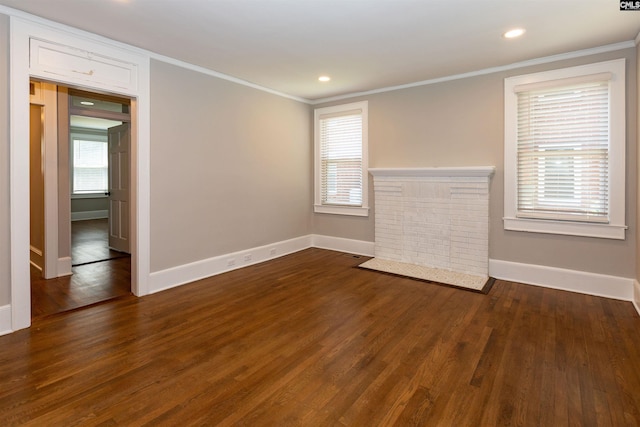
x=434 y=222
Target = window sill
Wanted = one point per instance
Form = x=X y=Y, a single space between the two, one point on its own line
x=568 y=228
x=342 y=210
x=89 y=196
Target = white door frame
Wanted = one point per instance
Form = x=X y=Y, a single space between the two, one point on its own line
x=90 y=50
x=45 y=97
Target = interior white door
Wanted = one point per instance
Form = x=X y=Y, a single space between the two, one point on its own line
x=119 y=187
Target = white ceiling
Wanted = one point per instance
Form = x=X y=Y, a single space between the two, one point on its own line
x=284 y=45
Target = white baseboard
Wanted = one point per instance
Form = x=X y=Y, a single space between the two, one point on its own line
x=35 y=256
x=636 y=295
x=84 y=215
x=615 y=287
x=557 y=278
x=64 y=266
x=176 y=276
x=601 y=285
x=358 y=247
x=5 y=320
x=187 y=273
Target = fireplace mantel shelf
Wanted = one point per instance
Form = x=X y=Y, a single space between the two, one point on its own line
x=463 y=171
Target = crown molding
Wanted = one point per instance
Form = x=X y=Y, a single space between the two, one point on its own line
x=485 y=71
x=152 y=55
x=537 y=61
x=223 y=76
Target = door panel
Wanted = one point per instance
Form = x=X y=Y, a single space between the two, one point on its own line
x=119 y=187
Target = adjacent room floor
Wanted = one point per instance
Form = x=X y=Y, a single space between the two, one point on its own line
x=99 y=273
x=90 y=242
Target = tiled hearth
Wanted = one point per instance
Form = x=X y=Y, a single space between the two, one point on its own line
x=437 y=218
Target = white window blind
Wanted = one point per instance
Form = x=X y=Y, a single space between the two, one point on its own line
x=90 y=166
x=341 y=159
x=563 y=152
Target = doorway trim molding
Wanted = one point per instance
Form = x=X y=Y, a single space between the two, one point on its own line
x=92 y=50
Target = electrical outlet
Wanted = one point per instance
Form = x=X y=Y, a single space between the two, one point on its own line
x=247 y=258
x=231 y=262
x=272 y=252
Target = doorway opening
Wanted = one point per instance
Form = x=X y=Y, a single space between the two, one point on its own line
x=93 y=147
x=63 y=55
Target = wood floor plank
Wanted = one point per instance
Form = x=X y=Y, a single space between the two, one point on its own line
x=309 y=339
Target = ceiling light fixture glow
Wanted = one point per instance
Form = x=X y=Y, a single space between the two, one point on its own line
x=86 y=103
x=511 y=34
x=324 y=78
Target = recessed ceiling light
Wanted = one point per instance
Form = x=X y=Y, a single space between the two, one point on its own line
x=511 y=34
x=324 y=78
x=86 y=103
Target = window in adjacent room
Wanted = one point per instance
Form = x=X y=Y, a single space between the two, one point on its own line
x=90 y=165
x=341 y=159
x=91 y=116
x=565 y=151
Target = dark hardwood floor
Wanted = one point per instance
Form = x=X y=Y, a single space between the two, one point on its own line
x=311 y=340
x=90 y=242
x=103 y=274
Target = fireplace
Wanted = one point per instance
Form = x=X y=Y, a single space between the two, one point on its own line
x=434 y=220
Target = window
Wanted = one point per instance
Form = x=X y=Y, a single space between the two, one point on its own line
x=90 y=167
x=565 y=151
x=341 y=159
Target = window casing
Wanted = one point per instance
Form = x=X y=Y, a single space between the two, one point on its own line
x=89 y=164
x=565 y=151
x=340 y=141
